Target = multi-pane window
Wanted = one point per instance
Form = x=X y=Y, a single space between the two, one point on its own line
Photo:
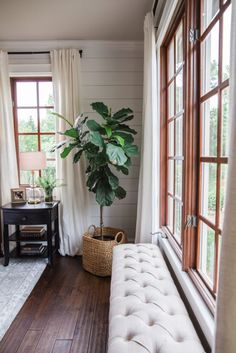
x=194 y=142
x=214 y=103
x=175 y=117
x=34 y=124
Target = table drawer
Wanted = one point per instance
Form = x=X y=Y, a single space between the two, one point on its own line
x=25 y=217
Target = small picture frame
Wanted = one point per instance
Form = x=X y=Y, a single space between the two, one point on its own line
x=18 y=196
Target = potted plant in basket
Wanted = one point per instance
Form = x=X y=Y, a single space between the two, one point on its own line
x=108 y=147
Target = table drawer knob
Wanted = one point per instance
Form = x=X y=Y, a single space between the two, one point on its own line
x=24 y=218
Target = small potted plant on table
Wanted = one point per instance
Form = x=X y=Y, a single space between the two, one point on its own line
x=108 y=147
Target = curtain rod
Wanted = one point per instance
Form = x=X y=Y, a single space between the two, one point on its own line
x=36 y=52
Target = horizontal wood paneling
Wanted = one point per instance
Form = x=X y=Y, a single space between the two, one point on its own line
x=116 y=79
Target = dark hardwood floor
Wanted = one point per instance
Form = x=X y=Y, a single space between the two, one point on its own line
x=67 y=312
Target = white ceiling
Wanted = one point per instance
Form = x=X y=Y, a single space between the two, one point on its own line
x=73 y=19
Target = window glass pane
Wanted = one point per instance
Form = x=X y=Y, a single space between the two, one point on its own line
x=208 y=191
x=47 y=142
x=210 y=62
x=171 y=139
x=26 y=176
x=178 y=217
x=179 y=136
x=209 y=10
x=171 y=105
x=178 y=179
x=27 y=120
x=28 y=143
x=179 y=92
x=225 y=121
x=226 y=43
x=26 y=94
x=45 y=94
x=50 y=170
x=170 y=214
x=170 y=54
x=171 y=176
x=223 y=179
x=209 y=126
x=207 y=249
x=47 y=120
x=179 y=46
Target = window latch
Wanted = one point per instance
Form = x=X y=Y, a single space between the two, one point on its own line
x=191 y=221
x=193 y=35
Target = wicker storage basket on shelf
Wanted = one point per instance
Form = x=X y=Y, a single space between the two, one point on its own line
x=97 y=254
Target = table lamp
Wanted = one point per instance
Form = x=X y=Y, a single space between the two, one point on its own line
x=33 y=161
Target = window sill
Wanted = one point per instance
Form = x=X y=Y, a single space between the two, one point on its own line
x=198 y=305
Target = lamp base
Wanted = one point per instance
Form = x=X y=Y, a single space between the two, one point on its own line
x=34 y=195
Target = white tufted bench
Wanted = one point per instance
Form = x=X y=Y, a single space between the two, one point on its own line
x=147 y=314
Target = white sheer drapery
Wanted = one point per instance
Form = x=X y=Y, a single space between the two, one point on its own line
x=8 y=161
x=147 y=212
x=74 y=195
x=225 y=338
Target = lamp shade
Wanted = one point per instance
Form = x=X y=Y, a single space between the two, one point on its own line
x=32 y=160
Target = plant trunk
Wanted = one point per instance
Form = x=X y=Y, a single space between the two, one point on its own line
x=101 y=221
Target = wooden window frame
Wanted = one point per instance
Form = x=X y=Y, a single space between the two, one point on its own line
x=36 y=79
x=189 y=256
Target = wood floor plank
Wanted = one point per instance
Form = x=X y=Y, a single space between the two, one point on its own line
x=67 y=329
x=29 y=342
x=62 y=346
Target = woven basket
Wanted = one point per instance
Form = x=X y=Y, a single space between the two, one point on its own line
x=97 y=254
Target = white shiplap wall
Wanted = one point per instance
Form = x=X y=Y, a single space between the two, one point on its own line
x=115 y=77
x=112 y=72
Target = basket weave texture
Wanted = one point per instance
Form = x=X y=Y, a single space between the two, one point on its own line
x=97 y=254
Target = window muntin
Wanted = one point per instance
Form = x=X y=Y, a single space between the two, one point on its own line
x=34 y=124
x=175 y=117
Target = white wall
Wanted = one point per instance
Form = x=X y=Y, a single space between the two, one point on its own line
x=112 y=72
x=114 y=76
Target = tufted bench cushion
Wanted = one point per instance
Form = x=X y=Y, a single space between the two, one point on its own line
x=147 y=314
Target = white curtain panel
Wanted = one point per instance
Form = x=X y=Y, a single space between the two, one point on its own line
x=225 y=338
x=74 y=195
x=147 y=212
x=8 y=161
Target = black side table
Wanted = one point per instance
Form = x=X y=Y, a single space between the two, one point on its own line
x=40 y=214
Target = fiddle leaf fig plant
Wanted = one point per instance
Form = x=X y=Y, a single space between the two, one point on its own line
x=108 y=145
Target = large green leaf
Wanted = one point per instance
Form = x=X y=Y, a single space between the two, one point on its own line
x=92 y=180
x=113 y=180
x=77 y=156
x=116 y=154
x=104 y=193
x=108 y=130
x=119 y=139
x=124 y=112
x=96 y=139
x=131 y=150
x=93 y=125
x=71 y=133
x=101 y=109
x=120 y=193
x=123 y=169
x=101 y=159
x=128 y=138
x=126 y=128
x=67 y=150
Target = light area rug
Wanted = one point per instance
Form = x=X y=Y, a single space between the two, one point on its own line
x=16 y=283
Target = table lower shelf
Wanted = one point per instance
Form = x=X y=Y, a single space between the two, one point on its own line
x=24 y=239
